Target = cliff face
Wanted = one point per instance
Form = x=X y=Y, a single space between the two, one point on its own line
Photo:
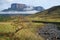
x=22 y=7
x=18 y=7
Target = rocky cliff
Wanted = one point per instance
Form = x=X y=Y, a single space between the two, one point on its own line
x=23 y=7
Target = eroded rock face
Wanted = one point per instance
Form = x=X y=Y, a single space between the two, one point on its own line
x=16 y=6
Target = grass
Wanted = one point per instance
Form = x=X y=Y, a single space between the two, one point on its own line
x=30 y=32
x=46 y=19
x=27 y=33
x=4 y=38
x=6 y=28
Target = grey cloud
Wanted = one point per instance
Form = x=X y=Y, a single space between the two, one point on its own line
x=3 y=2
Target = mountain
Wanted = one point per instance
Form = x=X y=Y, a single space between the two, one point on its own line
x=23 y=7
x=16 y=7
x=38 y=8
x=50 y=15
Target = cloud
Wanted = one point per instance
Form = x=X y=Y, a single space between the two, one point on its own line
x=9 y=0
x=4 y=4
x=5 y=1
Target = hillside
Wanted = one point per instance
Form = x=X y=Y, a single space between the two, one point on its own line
x=17 y=27
x=49 y=15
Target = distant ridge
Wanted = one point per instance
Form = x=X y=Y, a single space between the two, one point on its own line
x=23 y=7
x=55 y=8
x=50 y=15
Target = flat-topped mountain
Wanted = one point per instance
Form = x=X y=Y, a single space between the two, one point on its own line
x=23 y=7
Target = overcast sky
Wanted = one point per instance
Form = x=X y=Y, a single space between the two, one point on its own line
x=44 y=3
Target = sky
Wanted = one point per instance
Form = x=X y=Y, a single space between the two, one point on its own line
x=4 y=4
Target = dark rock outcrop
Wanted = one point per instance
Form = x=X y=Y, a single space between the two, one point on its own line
x=39 y=8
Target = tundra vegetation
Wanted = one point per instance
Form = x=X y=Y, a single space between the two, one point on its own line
x=26 y=27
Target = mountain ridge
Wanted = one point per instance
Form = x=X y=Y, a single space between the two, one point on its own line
x=23 y=7
x=50 y=15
